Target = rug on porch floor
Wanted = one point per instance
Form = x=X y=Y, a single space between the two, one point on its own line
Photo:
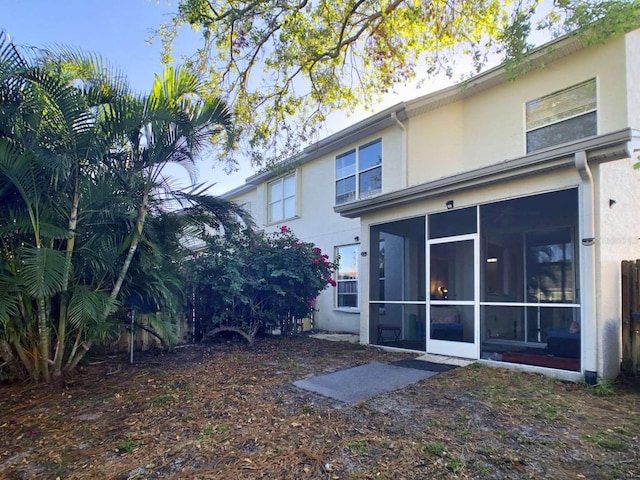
x=542 y=360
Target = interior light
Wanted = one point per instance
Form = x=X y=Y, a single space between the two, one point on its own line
x=492 y=260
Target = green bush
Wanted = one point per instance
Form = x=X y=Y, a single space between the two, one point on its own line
x=249 y=281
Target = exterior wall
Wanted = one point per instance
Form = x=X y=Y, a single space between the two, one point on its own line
x=435 y=144
x=489 y=127
x=316 y=221
x=480 y=130
x=618 y=238
x=632 y=77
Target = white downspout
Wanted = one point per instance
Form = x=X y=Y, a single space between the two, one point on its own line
x=588 y=310
x=403 y=163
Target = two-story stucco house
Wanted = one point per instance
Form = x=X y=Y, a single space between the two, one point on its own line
x=485 y=221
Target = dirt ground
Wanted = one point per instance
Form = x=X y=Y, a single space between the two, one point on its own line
x=230 y=411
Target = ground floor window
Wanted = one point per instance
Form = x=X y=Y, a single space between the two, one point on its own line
x=397 y=309
x=347 y=276
x=530 y=311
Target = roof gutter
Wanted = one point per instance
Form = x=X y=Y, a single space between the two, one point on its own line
x=607 y=147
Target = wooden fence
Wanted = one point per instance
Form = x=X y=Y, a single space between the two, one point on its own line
x=631 y=316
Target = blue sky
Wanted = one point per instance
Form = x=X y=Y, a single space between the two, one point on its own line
x=117 y=30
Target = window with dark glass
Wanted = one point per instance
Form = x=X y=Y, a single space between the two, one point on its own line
x=563 y=116
x=359 y=172
x=530 y=305
x=453 y=222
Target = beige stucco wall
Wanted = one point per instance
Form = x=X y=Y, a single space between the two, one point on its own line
x=488 y=128
x=435 y=145
x=633 y=78
x=316 y=221
x=484 y=129
x=618 y=238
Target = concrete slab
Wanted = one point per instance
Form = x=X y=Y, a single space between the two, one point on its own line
x=460 y=362
x=337 y=337
x=361 y=383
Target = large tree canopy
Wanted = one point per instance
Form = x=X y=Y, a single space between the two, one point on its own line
x=285 y=65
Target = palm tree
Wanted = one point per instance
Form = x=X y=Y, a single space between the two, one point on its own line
x=81 y=164
x=53 y=140
x=173 y=124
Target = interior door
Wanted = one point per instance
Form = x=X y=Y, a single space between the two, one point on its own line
x=453 y=310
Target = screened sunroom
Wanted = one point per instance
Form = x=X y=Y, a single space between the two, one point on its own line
x=497 y=281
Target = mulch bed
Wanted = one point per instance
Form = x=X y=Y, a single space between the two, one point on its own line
x=230 y=411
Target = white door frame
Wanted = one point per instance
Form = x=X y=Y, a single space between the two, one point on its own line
x=469 y=350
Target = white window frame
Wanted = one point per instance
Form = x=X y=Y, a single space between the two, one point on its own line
x=282 y=199
x=355 y=281
x=560 y=117
x=358 y=172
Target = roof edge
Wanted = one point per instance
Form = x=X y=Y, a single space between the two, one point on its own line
x=601 y=148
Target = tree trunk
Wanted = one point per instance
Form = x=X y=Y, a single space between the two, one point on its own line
x=135 y=240
x=79 y=356
x=64 y=297
x=249 y=337
x=75 y=358
x=44 y=333
x=74 y=349
x=25 y=359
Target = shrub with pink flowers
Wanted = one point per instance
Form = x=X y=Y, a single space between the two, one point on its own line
x=253 y=281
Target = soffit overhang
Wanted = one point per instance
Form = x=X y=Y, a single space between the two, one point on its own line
x=241 y=190
x=601 y=148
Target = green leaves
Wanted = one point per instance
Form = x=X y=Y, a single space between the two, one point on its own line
x=10 y=294
x=81 y=177
x=87 y=305
x=248 y=280
x=42 y=270
x=286 y=65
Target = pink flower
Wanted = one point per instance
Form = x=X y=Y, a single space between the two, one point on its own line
x=284 y=229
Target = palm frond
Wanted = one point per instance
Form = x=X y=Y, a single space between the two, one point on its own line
x=22 y=226
x=85 y=305
x=165 y=327
x=10 y=294
x=176 y=83
x=214 y=211
x=42 y=270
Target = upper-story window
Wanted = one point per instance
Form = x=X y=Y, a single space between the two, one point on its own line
x=359 y=172
x=567 y=115
x=282 y=198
